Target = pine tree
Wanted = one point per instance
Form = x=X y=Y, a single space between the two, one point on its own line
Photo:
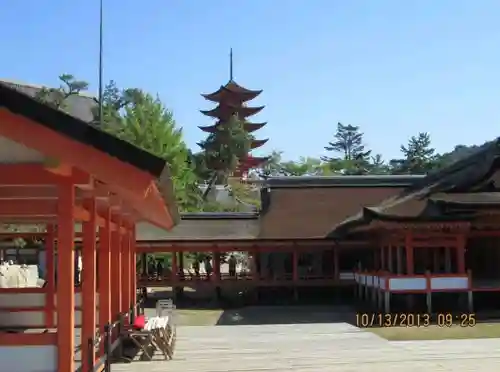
x=348 y=142
x=418 y=156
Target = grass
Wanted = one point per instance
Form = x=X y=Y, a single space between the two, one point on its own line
x=433 y=332
x=197 y=317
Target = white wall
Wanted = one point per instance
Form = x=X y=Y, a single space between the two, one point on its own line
x=28 y=358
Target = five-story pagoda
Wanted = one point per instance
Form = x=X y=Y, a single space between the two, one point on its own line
x=231 y=101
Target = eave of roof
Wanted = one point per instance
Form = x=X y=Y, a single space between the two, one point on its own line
x=220 y=216
x=342 y=181
x=82 y=132
x=458 y=177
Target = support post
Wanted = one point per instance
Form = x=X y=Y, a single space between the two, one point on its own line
x=399 y=260
x=336 y=265
x=50 y=277
x=144 y=265
x=175 y=275
x=447 y=259
x=66 y=278
x=88 y=276
x=390 y=263
x=295 y=265
x=126 y=272
x=116 y=270
x=435 y=259
x=133 y=253
x=216 y=260
x=104 y=269
x=382 y=257
x=409 y=253
x=461 y=242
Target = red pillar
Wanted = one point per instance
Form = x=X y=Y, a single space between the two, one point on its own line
x=389 y=258
x=336 y=268
x=175 y=267
x=88 y=282
x=295 y=265
x=116 y=270
x=435 y=259
x=127 y=271
x=104 y=270
x=216 y=274
x=382 y=257
x=65 y=278
x=461 y=242
x=50 y=277
x=133 y=253
x=409 y=253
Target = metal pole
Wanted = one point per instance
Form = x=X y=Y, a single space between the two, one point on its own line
x=100 y=61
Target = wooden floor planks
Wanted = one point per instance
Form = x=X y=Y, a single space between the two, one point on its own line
x=315 y=347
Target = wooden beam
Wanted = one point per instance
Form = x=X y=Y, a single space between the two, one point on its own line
x=65 y=279
x=34 y=175
x=55 y=145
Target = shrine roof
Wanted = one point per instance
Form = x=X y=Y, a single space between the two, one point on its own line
x=452 y=193
x=220 y=216
x=343 y=181
x=26 y=112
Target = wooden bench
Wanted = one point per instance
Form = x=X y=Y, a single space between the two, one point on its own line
x=157 y=334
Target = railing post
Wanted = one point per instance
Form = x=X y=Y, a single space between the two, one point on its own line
x=91 y=354
x=132 y=314
x=119 y=332
x=107 y=348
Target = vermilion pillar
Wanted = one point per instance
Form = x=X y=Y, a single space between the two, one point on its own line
x=216 y=256
x=88 y=282
x=461 y=242
x=295 y=265
x=104 y=270
x=127 y=271
x=409 y=253
x=390 y=264
x=116 y=270
x=50 y=277
x=133 y=252
x=175 y=267
x=65 y=278
x=336 y=268
x=382 y=257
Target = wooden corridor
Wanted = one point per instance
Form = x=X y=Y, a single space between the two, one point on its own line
x=315 y=347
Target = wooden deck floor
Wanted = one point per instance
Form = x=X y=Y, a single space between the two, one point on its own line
x=315 y=347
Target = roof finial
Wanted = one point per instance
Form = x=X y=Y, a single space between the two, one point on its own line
x=231 y=64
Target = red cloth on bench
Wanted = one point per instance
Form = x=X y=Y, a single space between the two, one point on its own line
x=139 y=322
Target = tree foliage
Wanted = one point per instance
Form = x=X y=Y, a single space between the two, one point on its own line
x=351 y=155
x=418 y=156
x=141 y=119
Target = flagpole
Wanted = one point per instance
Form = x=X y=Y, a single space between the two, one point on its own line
x=100 y=62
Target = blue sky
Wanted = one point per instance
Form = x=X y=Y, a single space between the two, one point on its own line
x=392 y=67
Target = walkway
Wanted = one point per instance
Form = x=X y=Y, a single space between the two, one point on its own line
x=315 y=347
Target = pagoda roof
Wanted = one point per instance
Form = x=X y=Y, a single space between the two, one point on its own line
x=258 y=143
x=232 y=91
x=249 y=127
x=253 y=161
x=223 y=111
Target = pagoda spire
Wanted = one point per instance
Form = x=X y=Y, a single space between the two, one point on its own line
x=231 y=64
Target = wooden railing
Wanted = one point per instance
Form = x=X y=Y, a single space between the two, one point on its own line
x=110 y=340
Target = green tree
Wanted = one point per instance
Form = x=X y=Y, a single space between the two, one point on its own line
x=144 y=121
x=378 y=166
x=419 y=157
x=141 y=119
x=352 y=156
x=57 y=97
x=223 y=151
